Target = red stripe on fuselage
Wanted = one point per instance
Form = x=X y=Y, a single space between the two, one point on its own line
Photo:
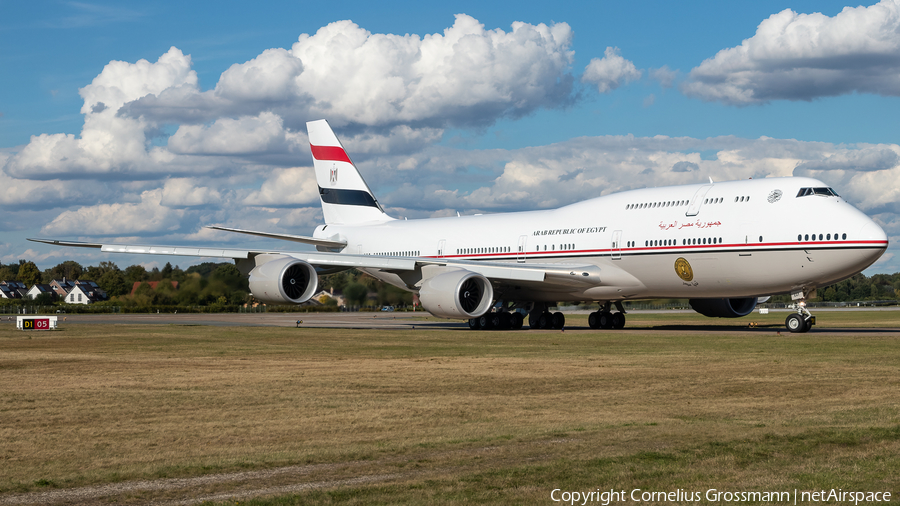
x=329 y=153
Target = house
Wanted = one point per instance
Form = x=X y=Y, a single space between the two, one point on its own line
x=90 y=286
x=83 y=294
x=62 y=287
x=12 y=290
x=39 y=289
x=9 y=292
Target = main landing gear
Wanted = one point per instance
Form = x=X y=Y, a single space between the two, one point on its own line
x=802 y=320
x=511 y=316
x=606 y=319
x=546 y=320
x=503 y=320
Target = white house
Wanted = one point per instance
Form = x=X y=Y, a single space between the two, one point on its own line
x=83 y=294
x=38 y=289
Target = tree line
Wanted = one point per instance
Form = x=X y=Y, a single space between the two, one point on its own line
x=212 y=283
x=205 y=284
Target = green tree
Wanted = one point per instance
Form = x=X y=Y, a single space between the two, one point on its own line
x=44 y=299
x=356 y=293
x=28 y=273
x=228 y=274
x=7 y=274
x=96 y=273
x=70 y=270
x=135 y=273
x=113 y=283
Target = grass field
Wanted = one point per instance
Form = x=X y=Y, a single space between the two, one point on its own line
x=423 y=417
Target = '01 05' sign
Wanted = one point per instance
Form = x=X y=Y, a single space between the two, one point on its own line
x=36 y=324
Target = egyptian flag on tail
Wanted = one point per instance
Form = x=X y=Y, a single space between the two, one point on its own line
x=346 y=198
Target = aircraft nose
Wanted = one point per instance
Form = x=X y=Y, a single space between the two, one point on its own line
x=872 y=232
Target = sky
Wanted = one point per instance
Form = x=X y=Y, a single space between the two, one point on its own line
x=143 y=123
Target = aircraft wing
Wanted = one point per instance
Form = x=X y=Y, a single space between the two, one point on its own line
x=532 y=274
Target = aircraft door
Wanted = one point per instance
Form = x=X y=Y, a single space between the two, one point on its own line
x=520 y=254
x=617 y=245
x=441 y=245
x=697 y=201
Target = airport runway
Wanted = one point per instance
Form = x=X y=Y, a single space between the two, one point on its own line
x=319 y=320
x=404 y=320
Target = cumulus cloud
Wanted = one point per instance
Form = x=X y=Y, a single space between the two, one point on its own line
x=147 y=217
x=804 y=56
x=245 y=135
x=109 y=143
x=288 y=187
x=610 y=72
x=465 y=76
x=42 y=194
x=388 y=92
x=183 y=192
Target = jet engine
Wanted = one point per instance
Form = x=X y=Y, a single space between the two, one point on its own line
x=283 y=280
x=457 y=294
x=724 y=308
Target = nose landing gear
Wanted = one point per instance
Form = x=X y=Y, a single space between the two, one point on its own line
x=802 y=320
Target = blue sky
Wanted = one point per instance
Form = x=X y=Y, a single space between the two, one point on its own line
x=609 y=95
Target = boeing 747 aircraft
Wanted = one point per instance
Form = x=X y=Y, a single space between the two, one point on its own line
x=724 y=246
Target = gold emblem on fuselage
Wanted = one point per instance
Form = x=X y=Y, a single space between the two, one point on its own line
x=683 y=269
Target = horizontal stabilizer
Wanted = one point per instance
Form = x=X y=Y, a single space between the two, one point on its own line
x=287 y=237
x=71 y=244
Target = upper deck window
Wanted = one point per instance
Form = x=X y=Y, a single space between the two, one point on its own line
x=824 y=192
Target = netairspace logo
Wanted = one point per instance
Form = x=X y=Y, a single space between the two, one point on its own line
x=606 y=497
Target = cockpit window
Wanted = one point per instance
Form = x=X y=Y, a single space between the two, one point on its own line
x=824 y=192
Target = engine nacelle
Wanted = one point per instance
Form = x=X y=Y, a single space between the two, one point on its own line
x=457 y=294
x=724 y=308
x=283 y=280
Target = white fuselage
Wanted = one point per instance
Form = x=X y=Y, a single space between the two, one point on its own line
x=738 y=239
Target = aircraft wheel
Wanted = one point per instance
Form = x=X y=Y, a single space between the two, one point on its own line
x=486 y=322
x=503 y=320
x=594 y=320
x=559 y=320
x=474 y=324
x=796 y=324
x=545 y=320
x=605 y=320
x=534 y=320
x=618 y=320
x=516 y=321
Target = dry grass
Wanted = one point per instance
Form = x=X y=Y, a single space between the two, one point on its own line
x=473 y=414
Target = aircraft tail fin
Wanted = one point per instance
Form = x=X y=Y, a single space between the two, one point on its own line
x=346 y=198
